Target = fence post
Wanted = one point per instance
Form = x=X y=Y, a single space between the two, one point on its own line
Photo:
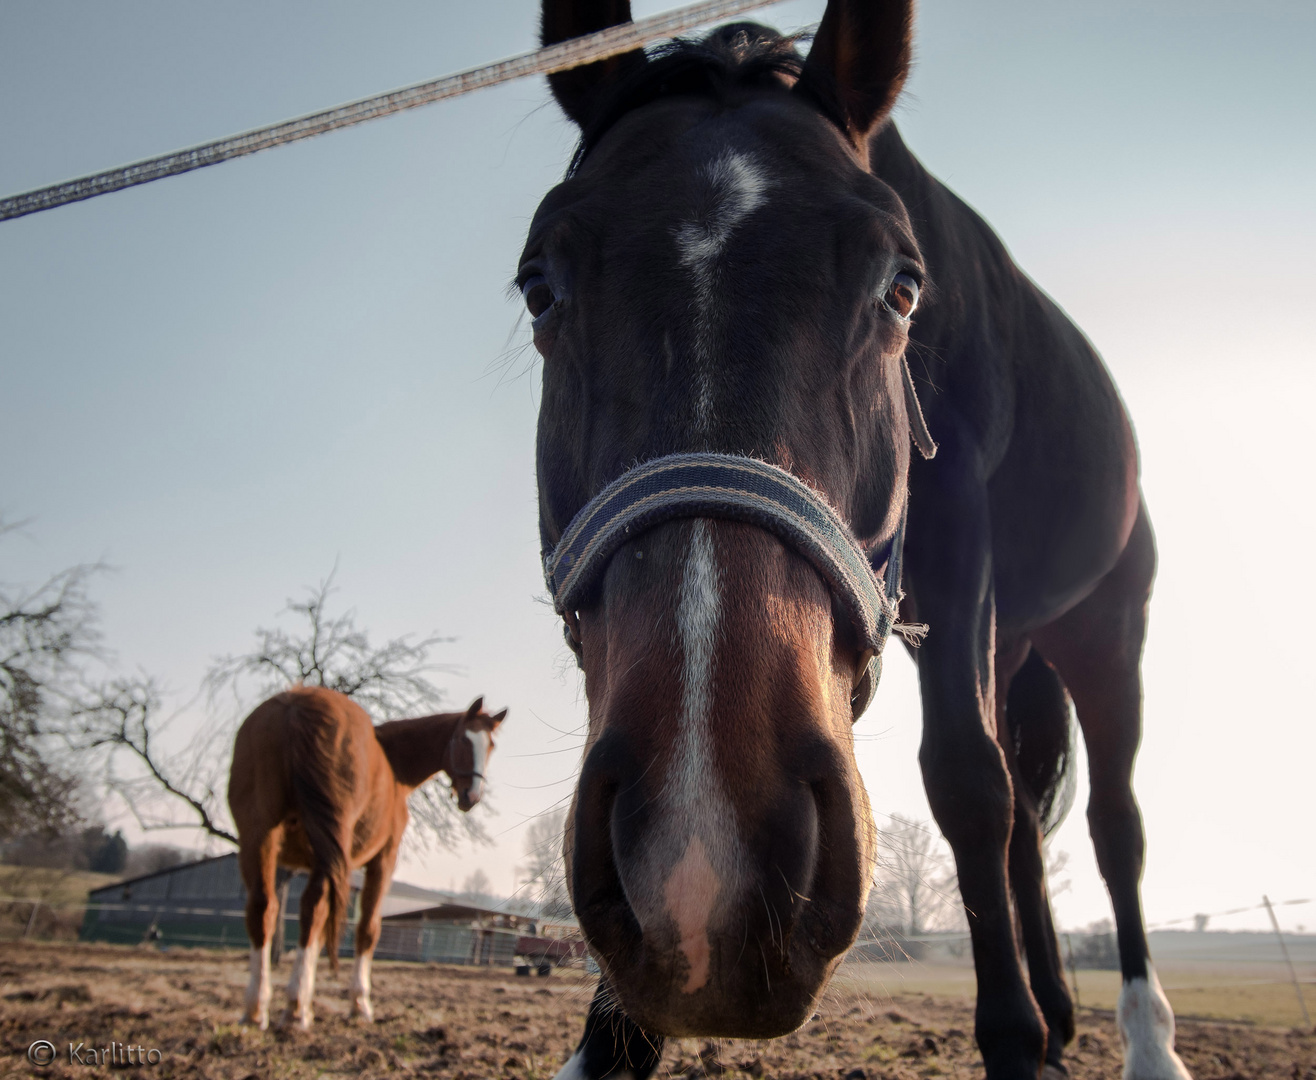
x=1297 y=986
x=1073 y=970
x=31 y=919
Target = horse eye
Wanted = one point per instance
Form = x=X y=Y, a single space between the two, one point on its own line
x=538 y=296
x=902 y=295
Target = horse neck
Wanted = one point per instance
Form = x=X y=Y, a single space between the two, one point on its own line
x=418 y=748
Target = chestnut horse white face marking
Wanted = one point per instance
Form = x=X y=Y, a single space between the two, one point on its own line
x=481 y=747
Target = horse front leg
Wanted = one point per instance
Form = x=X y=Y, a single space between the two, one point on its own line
x=949 y=563
x=613 y=1047
x=379 y=873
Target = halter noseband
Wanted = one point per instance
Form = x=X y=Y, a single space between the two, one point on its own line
x=734 y=488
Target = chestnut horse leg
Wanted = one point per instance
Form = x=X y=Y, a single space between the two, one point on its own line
x=259 y=867
x=613 y=1047
x=1097 y=648
x=949 y=566
x=314 y=916
x=1036 y=706
x=379 y=873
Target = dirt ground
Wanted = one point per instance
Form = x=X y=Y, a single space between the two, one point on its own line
x=453 y=1023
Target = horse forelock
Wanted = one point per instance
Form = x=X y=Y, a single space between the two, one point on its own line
x=731 y=59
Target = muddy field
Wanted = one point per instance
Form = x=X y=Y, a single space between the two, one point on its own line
x=452 y=1022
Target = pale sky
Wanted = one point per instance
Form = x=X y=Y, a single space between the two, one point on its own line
x=223 y=383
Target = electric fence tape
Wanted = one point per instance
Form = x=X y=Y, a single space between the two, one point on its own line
x=560 y=57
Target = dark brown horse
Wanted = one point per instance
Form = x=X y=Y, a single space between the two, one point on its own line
x=743 y=260
x=316 y=786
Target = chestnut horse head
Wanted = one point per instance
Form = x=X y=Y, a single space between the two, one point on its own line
x=469 y=748
x=720 y=273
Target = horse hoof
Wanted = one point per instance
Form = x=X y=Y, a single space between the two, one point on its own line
x=1052 y=1072
x=290 y=1019
x=363 y=1011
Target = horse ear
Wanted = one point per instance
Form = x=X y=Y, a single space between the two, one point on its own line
x=578 y=89
x=862 y=50
x=474 y=707
x=499 y=717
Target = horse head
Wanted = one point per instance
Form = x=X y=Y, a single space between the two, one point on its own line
x=468 y=752
x=720 y=273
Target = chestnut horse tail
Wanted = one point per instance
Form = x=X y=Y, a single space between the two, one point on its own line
x=1038 y=715
x=312 y=732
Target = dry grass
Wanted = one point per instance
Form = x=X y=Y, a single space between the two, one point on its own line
x=61 y=892
x=1251 y=993
x=453 y=1023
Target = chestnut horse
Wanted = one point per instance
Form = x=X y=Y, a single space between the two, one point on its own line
x=729 y=278
x=316 y=786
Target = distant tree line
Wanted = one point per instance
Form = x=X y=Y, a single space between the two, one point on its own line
x=92 y=848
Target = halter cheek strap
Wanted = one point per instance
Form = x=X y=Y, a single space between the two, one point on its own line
x=735 y=488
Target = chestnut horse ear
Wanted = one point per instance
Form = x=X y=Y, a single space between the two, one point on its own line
x=862 y=50
x=474 y=707
x=578 y=89
x=498 y=717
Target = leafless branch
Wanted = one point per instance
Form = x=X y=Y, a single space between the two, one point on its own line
x=124 y=716
x=44 y=635
x=388 y=681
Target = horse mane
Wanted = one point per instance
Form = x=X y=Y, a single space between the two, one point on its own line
x=734 y=57
x=416 y=748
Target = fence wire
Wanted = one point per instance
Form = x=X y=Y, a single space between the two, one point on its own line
x=560 y=57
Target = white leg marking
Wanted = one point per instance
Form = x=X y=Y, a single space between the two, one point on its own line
x=258 y=988
x=738 y=187
x=575 y=1069
x=481 y=744
x=361 y=989
x=301 y=987
x=1146 y=1024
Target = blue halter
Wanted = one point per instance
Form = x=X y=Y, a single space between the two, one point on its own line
x=738 y=489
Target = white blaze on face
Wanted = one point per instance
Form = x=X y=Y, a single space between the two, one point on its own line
x=1146 y=1025
x=737 y=187
x=690 y=892
x=698 y=843
x=481 y=745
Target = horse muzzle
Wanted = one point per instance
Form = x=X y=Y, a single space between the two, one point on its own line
x=721 y=839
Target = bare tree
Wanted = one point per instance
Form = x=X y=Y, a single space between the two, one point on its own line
x=1056 y=862
x=45 y=633
x=477 y=889
x=388 y=681
x=914 y=890
x=543 y=874
x=124 y=718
